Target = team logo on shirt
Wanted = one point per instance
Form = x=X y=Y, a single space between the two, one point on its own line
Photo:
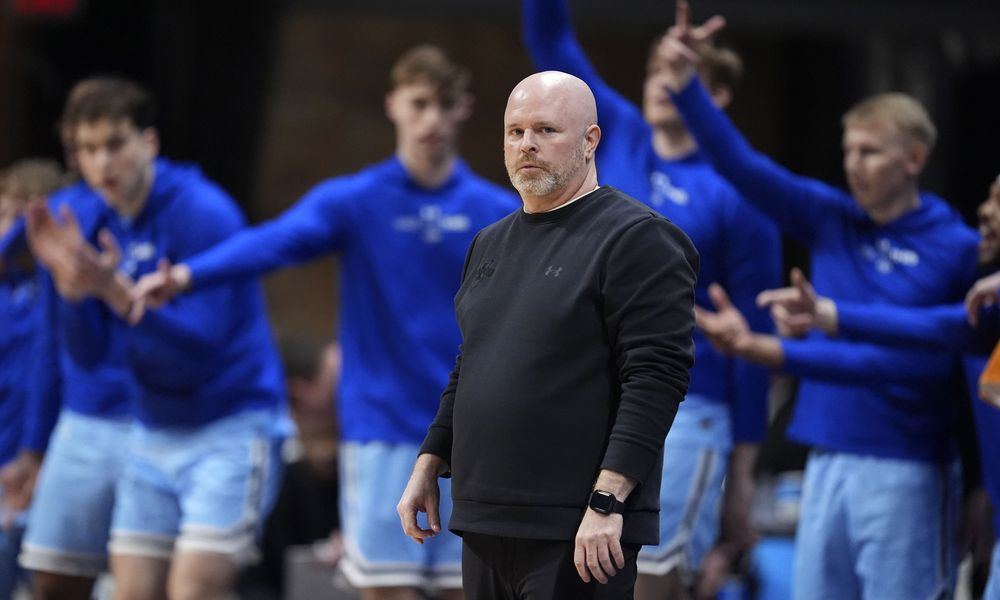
x=664 y=189
x=432 y=223
x=886 y=257
x=135 y=253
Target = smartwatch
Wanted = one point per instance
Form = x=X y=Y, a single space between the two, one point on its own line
x=605 y=503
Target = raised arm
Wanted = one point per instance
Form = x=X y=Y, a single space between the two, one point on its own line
x=797 y=204
x=820 y=358
x=311 y=227
x=548 y=35
x=944 y=327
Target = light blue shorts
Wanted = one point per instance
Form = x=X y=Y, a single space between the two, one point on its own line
x=203 y=489
x=377 y=553
x=70 y=513
x=992 y=591
x=695 y=461
x=876 y=528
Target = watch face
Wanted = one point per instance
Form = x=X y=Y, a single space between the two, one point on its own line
x=601 y=501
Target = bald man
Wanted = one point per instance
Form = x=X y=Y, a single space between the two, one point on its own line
x=576 y=317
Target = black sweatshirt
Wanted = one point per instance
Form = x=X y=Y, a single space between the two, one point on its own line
x=576 y=352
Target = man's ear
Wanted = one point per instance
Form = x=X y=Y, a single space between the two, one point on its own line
x=151 y=139
x=591 y=138
x=916 y=158
x=465 y=104
x=390 y=106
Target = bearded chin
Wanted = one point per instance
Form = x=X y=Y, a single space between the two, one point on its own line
x=540 y=185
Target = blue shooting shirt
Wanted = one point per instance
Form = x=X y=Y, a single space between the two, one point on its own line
x=923 y=258
x=401 y=250
x=739 y=248
x=208 y=354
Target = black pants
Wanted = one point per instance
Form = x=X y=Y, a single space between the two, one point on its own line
x=499 y=568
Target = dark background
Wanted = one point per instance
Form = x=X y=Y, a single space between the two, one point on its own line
x=272 y=96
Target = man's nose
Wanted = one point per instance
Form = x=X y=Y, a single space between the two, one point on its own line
x=528 y=142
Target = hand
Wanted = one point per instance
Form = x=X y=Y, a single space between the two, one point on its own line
x=422 y=495
x=598 y=552
x=794 y=309
x=727 y=330
x=678 y=49
x=713 y=573
x=78 y=269
x=983 y=293
x=155 y=289
x=54 y=244
x=18 y=479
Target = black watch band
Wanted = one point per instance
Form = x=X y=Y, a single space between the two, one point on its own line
x=605 y=503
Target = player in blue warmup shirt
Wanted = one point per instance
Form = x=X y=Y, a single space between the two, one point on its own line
x=648 y=153
x=65 y=544
x=945 y=328
x=20 y=313
x=881 y=485
x=401 y=229
x=202 y=464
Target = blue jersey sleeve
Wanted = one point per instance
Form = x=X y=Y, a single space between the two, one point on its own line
x=44 y=399
x=310 y=228
x=752 y=263
x=859 y=363
x=943 y=327
x=548 y=35
x=799 y=205
x=193 y=321
x=13 y=240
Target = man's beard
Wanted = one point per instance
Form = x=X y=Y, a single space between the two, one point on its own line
x=540 y=184
x=548 y=180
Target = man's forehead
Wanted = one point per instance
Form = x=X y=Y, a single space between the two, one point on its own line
x=105 y=127
x=425 y=89
x=874 y=130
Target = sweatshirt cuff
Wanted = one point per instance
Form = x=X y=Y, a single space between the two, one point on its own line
x=438 y=443
x=635 y=462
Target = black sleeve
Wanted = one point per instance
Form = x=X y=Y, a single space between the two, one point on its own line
x=648 y=291
x=439 y=434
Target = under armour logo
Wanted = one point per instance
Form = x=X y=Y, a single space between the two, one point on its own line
x=553 y=271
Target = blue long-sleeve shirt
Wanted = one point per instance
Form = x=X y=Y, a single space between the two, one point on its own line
x=923 y=258
x=209 y=354
x=19 y=311
x=54 y=379
x=401 y=250
x=739 y=248
x=941 y=328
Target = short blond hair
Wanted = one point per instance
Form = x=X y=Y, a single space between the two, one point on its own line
x=903 y=111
